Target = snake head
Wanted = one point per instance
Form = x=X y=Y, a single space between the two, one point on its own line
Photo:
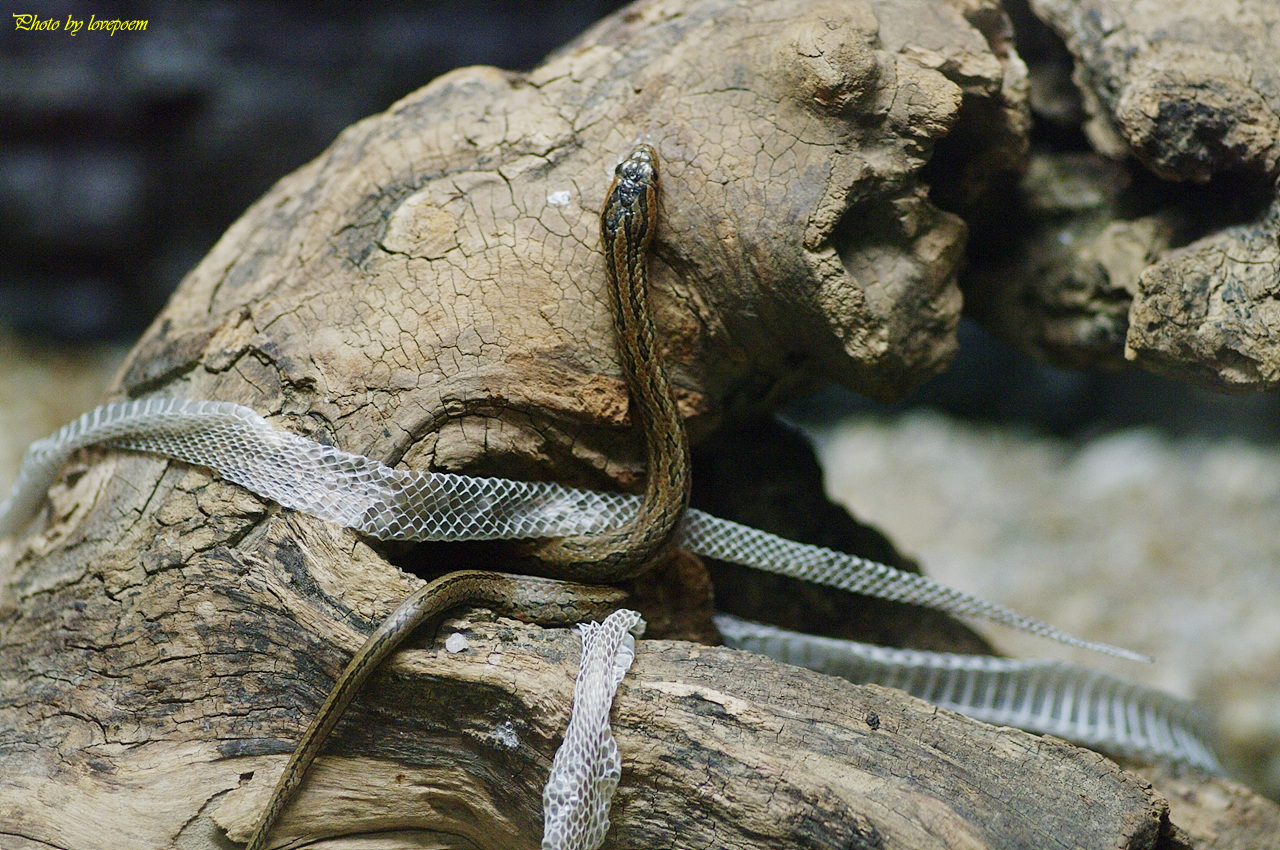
x=639 y=169
x=632 y=199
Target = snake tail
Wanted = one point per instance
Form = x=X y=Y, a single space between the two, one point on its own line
x=541 y=600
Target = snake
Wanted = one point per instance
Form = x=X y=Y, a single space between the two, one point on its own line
x=627 y=225
x=580 y=539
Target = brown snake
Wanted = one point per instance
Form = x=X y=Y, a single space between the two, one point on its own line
x=627 y=225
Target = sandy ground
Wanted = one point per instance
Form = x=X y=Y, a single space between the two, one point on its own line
x=1168 y=547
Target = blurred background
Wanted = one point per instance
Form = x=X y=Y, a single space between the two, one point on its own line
x=123 y=157
x=1117 y=505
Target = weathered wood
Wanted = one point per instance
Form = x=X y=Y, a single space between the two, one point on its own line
x=722 y=749
x=1100 y=263
x=429 y=292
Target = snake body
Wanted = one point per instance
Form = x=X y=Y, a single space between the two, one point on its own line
x=627 y=225
x=537 y=600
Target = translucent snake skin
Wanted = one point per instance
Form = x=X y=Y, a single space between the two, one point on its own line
x=405 y=504
x=587 y=766
x=364 y=494
x=1076 y=703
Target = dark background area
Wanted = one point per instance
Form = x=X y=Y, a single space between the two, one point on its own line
x=123 y=158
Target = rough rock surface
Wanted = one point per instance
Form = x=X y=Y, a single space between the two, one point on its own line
x=1191 y=89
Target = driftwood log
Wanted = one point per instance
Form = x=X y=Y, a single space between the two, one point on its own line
x=1160 y=246
x=429 y=292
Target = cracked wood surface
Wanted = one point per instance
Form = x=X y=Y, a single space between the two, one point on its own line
x=429 y=292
